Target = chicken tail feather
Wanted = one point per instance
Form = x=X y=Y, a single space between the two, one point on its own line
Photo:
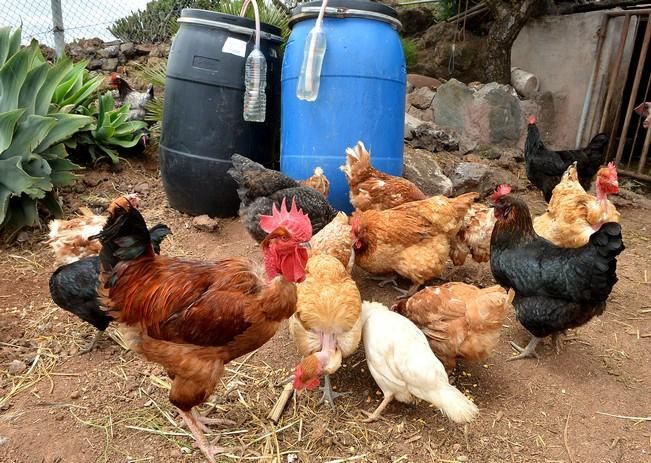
x=358 y=160
x=453 y=404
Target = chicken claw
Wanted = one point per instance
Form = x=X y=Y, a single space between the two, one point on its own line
x=378 y=411
x=529 y=351
x=202 y=422
x=383 y=281
x=328 y=394
x=91 y=345
x=191 y=420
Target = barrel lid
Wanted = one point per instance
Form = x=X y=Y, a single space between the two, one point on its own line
x=208 y=18
x=346 y=9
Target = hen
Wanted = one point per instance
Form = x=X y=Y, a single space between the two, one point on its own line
x=195 y=317
x=545 y=167
x=261 y=188
x=73 y=287
x=326 y=326
x=372 y=189
x=412 y=240
x=555 y=288
x=574 y=215
x=124 y=94
x=474 y=236
x=644 y=110
x=405 y=368
x=335 y=239
x=318 y=181
x=459 y=320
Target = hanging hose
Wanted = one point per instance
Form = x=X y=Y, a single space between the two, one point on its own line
x=256 y=15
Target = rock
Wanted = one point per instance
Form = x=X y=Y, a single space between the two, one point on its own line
x=416 y=19
x=510 y=159
x=94 y=177
x=79 y=188
x=75 y=394
x=94 y=64
x=22 y=236
x=424 y=115
x=418 y=81
x=448 y=103
x=144 y=48
x=3 y=440
x=160 y=50
x=411 y=123
x=110 y=64
x=433 y=138
x=467 y=176
x=504 y=114
x=205 y=223
x=421 y=168
x=142 y=188
x=110 y=52
x=421 y=98
x=128 y=49
x=16 y=367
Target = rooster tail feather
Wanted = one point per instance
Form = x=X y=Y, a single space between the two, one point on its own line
x=157 y=234
x=453 y=403
x=608 y=243
x=599 y=141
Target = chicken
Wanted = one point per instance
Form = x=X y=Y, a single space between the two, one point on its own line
x=412 y=240
x=574 y=215
x=124 y=94
x=69 y=238
x=318 y=181
x=474 y=236
x=192 y=317
x=73 y=287
x=405 y=368
x=327 y=325
x=555 y=288
x=644 y=110
x=260 y=188
x=545 y=167
x=335 y=239
x=459 y=320
x=372 y=189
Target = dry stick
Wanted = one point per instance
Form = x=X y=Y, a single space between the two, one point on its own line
x=281 y=403
x=634 y=418
x=567 y=447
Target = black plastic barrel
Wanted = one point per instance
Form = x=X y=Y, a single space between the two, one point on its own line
x=203 y=123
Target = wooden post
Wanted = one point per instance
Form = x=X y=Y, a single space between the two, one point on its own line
x=57 y=23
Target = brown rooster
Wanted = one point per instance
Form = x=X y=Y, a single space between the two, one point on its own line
x=195 y=317
x=459 y=320
x=372 y=189
x=412 y=240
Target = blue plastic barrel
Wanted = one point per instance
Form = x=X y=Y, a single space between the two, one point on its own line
x=361 y=95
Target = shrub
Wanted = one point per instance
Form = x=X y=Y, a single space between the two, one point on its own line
x=411 y=52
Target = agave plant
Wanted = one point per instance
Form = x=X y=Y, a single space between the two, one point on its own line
x=112 y=130
x=33 y=157
x=155 y=75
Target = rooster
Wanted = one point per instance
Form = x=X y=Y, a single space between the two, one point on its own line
x=73 y=287
x=574 y=215
x=195 y=317
x=318 y=181
x=545 y=167
x=555 y=288
x=372 y=189
x=459 y=320
x=124 y=94
x=402 y=364
x=412 y=240
x=326 y=326
x=261 y=188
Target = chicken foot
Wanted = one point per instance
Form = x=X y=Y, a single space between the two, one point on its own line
x=329 y=395
x=202 y=443
x=93 y=342
x=383 y=281
x=406 y=294
x=378 y=411
x=203 y=421
x=529 y=351
x=557 y=342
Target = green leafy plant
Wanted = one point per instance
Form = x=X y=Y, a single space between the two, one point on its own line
x=411 y=52
x=111 y=131
x=155 y=75
x=269 y=14
x=33 y=157
x=78 y=89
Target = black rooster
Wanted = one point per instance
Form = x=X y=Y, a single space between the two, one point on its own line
x=555 y=288
x=546 y=167
x=73 y=287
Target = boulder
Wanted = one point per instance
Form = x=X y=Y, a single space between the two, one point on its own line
x=474 y=176
x=448 y=104
x=421 y=168
x=416 y=19
x=95 y=64
x=433 y=138
x=411 y=124
x=421 y=98
x=424 y=115
x=205 y=223
x=110 y=52
x=418 y=81
x=110 y=64
x=128 y=49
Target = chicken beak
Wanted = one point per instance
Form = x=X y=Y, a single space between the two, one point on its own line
x=305 y=245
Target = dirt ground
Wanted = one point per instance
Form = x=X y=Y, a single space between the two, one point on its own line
x=591 y=403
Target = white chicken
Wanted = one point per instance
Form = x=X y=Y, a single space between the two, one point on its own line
x=404 y=366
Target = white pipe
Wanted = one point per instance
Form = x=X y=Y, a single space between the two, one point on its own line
x=57 y=23
x=256 y=14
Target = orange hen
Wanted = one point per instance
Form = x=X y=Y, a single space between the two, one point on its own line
x=318 y=181
x=459 y=320
x=372 y=189
x=194 y=317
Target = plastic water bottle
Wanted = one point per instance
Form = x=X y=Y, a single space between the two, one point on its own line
x=255 y=83
x=310 y=76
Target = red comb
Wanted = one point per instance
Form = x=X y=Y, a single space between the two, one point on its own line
x=532 y=120
x=501 y=190
x=294 y=220
x=612 y=166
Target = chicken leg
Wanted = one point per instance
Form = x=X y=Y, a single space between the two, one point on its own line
x=529 y=351
x=385 y=280
x=376 y=414
x=328 y=394
x=406 y=294
x=91 y=345
x=209 y=450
